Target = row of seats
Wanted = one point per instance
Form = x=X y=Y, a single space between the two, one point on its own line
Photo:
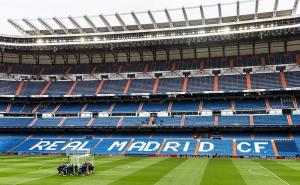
x=242 y=61
x=166 y=106
x=162 y=135
x=170 y=121
x=163 y=85
x=157 y=146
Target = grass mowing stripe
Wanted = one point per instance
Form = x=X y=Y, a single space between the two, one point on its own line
x=111 y=175
x=253 y=173
x=290 y=164
x=151 y=174
x=30 y=175
x=55 y=179
x=189 y=172
x=285 y=174
x=221 y=172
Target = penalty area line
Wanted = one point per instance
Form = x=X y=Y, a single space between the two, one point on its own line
x=273 y=174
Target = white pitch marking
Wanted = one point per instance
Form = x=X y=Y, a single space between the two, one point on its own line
x=274 y=174
x=255 y=173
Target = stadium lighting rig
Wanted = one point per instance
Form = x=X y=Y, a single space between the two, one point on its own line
x=212 y=22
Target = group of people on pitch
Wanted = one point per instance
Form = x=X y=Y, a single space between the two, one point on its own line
x=71 y=169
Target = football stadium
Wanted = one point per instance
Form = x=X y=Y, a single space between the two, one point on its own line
x=206 y=94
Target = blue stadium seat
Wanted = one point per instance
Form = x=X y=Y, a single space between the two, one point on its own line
x=76 y=122
x=59 y=88
x=130 y=107
x=98 y=107
x=106 y=122
x=8 y=87
x=281 y=103
x=15 y=122
x=135 y=121
x=113 y=87
x=250 y=104
x=170 y=85
x=185 y=106
x=232 y=82
x=7 y=143
x=268 y=120
x=287 y=148
x=47 y=122
x=199 y=84
x=216 y=104
x=155 y=106
x=32 y=88
x=198 y=121
x=171 y=121
x=266 y=81
x=70 y=107
x=233 y=120
x=87 y=88
x=141 y=86
x=292 y=79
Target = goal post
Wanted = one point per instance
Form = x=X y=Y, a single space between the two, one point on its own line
x=79 y=158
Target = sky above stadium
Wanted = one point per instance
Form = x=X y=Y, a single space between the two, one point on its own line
x=19 y=9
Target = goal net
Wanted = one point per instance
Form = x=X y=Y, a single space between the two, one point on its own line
x=79 y=158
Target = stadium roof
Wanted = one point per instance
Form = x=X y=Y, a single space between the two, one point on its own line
x=158 y=19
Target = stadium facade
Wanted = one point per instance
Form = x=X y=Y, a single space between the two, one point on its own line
x=178 y=82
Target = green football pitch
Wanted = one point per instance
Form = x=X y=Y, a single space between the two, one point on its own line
x=159 y=171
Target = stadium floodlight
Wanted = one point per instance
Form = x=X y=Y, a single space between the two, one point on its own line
x=90 y=22
x=17 y=26
x=202 y=14
x=61 y=25
x=108 y=26
x=76 y=24
x=169 y=18
x=185 y=17
x=152 y=19
x=46 y=25
x=32 y=26
x=136 y=20
x=122 y=23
